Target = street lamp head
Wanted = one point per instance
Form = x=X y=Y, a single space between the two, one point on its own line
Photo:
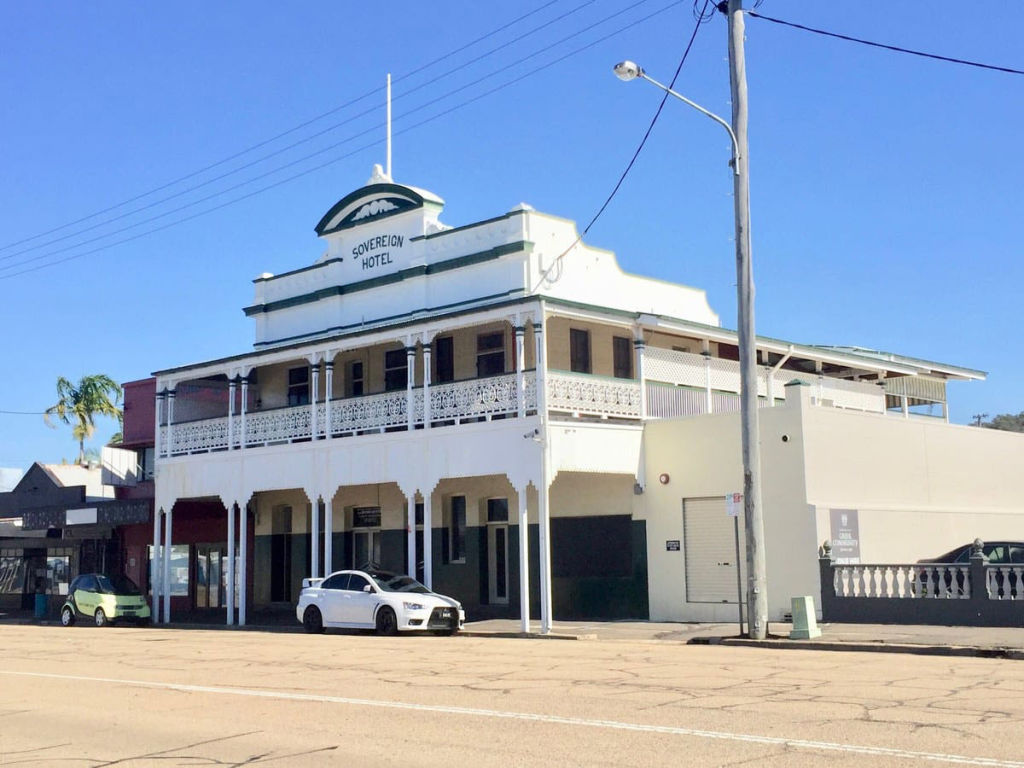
x=628 y=70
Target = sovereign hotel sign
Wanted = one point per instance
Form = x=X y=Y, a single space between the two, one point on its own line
x=377 y=251
x=370 y=231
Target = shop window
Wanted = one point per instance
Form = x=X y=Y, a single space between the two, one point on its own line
x=579 y=350
x=12 y=572
x=444 y=359
x=179 y=568
x=490 y=354
x=396 y=370
x=455 y=530
x=622 y=357
x=355 y=378
x=298 y=386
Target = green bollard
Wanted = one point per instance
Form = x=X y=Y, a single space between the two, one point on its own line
x=805 y=625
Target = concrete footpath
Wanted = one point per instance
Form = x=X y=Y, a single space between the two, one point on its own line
x=992 y=642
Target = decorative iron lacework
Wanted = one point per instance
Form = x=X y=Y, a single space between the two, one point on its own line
x=592 y=395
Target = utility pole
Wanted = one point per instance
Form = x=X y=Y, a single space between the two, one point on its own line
x=757 y=595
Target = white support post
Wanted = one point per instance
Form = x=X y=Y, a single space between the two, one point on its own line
x=313 y=396
x=524 y=562
x=640 y=347
x=170 y=423
x=426 y=386
x=328 y=536
x=158 y=408
x=411 y=535
x=905 y=406
x=540 y=359
x=520 y=369
x=231 y=414
x=168 y=523
x=314 y=536
x=544 y=530
x=328 y=389
x=245 y=398
x=542 y=490
x=428 y=540
x=243 y=560
x=708 y=403
x=156 y=567
x=231 y=563
x=410 y=378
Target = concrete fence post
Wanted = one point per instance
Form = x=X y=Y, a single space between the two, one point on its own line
x=828 y=585
x=978 y=577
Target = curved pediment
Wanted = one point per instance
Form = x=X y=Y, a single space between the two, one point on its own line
x=373 y=203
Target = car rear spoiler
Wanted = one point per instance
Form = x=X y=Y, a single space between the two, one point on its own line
x=311 y=583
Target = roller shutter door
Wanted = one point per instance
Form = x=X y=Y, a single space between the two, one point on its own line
x=710 y=547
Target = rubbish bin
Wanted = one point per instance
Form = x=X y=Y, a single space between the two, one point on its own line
x=41 y=604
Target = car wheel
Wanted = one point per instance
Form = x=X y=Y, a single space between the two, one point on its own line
x=387 y=624
x=312 y=621
x=100 y=618
x=67 y=616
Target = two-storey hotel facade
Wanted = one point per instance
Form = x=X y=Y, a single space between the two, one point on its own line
x=470 y=405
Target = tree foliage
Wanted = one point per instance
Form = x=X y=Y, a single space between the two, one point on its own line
x=78 y=405
x=1008 y=422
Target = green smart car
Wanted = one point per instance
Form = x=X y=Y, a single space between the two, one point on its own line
x=104 y=599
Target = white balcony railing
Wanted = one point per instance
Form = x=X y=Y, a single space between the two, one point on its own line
x=678 y=384
x=458 y=402
x=583 y=394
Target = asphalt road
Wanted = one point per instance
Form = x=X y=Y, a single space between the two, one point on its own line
x=169 y=697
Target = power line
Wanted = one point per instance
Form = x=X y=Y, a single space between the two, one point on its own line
x=896 y=48
x=321 y=151
x=281 y=150
x=657 y=114
x=340 y=158
x=24 y=413
x=291 y=130
x=701 y=18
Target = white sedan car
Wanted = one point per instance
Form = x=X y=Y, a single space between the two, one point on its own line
x=372 y=599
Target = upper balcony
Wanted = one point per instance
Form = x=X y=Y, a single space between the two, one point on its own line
x=385 y=388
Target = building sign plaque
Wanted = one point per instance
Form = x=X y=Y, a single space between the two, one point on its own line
x=845 y=535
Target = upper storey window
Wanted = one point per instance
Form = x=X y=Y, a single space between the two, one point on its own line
x=490 y=354
x=298 y=386
x=396 y=370
x=579 y=350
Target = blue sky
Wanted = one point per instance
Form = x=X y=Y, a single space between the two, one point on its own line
x=884 y=191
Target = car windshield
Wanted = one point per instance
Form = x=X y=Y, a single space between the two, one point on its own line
x=117 y=585
x=393 y=582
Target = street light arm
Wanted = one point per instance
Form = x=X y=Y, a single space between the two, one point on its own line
x=712 y=115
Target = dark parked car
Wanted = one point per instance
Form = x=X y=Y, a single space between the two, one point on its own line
x=994 y=552
x=1009 y=553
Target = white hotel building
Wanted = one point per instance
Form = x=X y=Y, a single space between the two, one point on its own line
x=423 y=395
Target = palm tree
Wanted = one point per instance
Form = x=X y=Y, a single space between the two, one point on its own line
x=96 y=395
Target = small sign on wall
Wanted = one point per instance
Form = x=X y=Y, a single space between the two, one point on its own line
x=734 y=504
x=672 y=545
x=845 y=530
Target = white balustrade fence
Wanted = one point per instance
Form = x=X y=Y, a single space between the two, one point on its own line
x=456 y=402
x=584 y=394
x=1005 y=582
x=909 y=581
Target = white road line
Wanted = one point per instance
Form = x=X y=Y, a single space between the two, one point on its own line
x=826 y=746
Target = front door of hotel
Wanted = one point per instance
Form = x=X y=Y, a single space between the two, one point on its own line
x=497 y=565
x=497 y=551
